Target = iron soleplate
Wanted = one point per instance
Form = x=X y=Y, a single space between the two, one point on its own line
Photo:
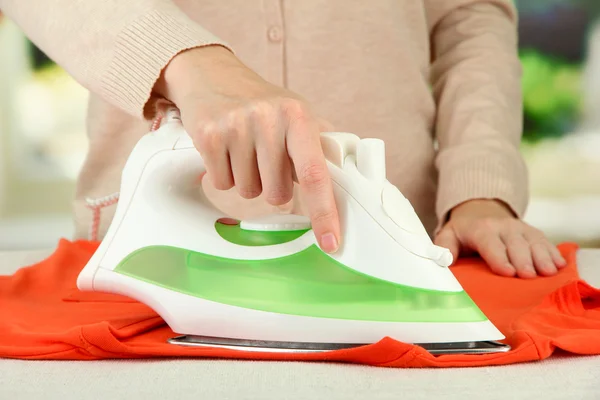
x=483 y=347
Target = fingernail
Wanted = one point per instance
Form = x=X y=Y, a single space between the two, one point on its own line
x=548 y=269
x=329 y=243
x=510 y=269
x=228 y=221
x=562 y=262
x=529 y=271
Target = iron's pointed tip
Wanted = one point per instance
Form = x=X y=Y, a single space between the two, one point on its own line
x=442 y=256
x=446 y=259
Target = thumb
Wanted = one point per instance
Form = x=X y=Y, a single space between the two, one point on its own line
x=447 y=238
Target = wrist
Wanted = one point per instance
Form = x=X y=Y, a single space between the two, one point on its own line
x=174 y=81
x=482 y=208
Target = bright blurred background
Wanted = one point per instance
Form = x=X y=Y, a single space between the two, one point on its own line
x=43 y=141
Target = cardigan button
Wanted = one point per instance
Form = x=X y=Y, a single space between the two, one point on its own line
x=275 y=34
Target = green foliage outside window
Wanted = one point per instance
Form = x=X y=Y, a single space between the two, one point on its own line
x=551 y=96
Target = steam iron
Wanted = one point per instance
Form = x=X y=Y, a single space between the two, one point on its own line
x=265 y=285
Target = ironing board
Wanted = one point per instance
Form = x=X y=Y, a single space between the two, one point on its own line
x=560 y=377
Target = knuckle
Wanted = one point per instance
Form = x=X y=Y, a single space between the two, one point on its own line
x=235 y=115
x=250 y=191
x=313 y=174
x=484 y=226
x=220 y=180
x=513 y=239
x=223 y=184
x=484 y=241
x=538 y=243
x=286 y=208
x=234 y=119
x=261 y=111
x=294 y=108
x=536 y=233
x=279 y=195
x=478 y=232
x=209 y=139
x=515 y=225
x=536 y=238
x=263 y=119
x=234 y=127
x=489 y=223
x=322 y=216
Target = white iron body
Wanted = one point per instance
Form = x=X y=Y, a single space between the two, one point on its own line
x=158 y=205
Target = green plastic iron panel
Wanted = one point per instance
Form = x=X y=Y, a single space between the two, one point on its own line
x=308 y=283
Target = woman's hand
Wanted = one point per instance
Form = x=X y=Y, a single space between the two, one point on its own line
x=252 y=135
x=508 y=245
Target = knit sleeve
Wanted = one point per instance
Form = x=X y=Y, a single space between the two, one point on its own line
x=114 y=48
x=475 y=77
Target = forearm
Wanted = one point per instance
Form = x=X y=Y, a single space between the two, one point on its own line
x=116 y=49
x=476 y=82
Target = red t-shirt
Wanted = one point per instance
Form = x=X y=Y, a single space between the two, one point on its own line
x=44 y=316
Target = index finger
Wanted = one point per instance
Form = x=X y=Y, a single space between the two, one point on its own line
x=308 y=160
